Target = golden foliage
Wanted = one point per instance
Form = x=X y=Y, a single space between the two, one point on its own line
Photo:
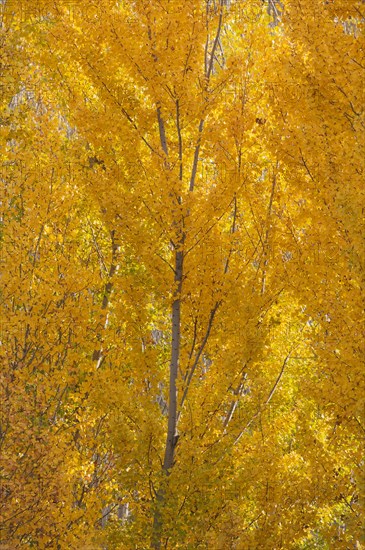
x=182 y=192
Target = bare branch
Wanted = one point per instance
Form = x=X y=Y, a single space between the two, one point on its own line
x=161 y=127
x=178 y=126
x=190 y=374
x=272 y=391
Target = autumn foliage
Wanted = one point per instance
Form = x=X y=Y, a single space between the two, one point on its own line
x=182 y=258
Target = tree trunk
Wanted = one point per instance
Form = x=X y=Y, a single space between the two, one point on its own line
x=172 y=435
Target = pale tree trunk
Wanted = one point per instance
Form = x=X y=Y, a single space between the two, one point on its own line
x=171 y=439
x=172 y=435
